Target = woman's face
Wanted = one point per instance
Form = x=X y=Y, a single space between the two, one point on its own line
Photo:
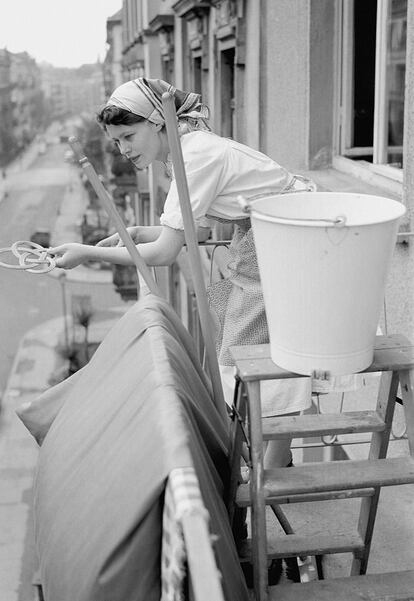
x=142 y=142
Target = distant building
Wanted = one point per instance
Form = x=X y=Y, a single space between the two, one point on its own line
x=26 y=97
x=7 y=144
x=87 y=92
x=112 y=66
x=21 y=102
x=73 y=91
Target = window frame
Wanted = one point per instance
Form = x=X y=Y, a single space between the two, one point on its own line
x=344 y=152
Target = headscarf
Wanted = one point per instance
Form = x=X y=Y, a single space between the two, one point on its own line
x=143 y=97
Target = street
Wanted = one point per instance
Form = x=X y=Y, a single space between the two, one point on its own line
x=26 y=300
x=30 y=304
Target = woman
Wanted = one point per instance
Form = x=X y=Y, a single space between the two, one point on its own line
x=218 y=170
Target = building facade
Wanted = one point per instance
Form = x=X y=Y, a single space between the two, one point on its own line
x=324 y=87
x=7 y=144
x=26 y=98
x=21 y=103
x=112 y=67
x=71 y=91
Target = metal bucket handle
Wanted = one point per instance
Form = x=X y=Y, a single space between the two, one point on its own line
x=245 y=204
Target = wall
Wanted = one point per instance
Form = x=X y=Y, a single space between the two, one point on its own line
x=321 y=83
x=178 y=53
x=285 y=81
x=408 y=185
x=252 y=76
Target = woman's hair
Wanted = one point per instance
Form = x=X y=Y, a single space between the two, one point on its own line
x=113 y=115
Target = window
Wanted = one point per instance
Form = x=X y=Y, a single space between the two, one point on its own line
x=227 y=84
x=196 y=72
x=372 y=65
x=167 y=67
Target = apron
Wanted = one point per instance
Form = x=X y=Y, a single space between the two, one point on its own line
x=238 y=304
x=237 y=300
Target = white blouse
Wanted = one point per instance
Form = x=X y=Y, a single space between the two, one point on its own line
x=218 y=171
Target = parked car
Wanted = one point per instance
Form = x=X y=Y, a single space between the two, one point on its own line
x=41 y=237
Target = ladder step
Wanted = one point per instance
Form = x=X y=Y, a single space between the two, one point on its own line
x=253 y=362
x=302 y=426
x=294 y=545
x=337 y=475
x=394 y=586
x=243 y=496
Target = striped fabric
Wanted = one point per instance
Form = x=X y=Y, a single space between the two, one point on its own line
x=182 y=496
x=143 y=97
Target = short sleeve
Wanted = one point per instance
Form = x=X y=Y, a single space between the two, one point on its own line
x=204 y=163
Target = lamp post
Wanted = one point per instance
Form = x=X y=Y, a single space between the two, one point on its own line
x=62 y=280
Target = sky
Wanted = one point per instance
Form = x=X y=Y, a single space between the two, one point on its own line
x=64 y=33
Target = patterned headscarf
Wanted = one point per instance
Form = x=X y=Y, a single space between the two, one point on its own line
x=143 y=97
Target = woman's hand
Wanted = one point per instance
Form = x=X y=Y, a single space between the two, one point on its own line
x=163 y=249
x=69 y=255
x=115 y=240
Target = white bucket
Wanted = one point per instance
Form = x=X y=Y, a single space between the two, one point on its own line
x=323 y=261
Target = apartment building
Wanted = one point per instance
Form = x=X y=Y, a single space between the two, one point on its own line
x=325 y=87
x=113 y=61
x=21 y=102
x=6 y=123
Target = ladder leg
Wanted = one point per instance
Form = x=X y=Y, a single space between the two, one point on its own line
x=259 y=538
x=235 y=454
x=378 y=450
x=407 y=393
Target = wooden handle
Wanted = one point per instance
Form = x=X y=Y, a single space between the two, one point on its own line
x=109 y=205
x=193 y=251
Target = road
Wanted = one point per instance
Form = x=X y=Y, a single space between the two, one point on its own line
x=26 y=300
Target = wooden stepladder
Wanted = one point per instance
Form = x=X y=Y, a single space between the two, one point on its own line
x=394 y=357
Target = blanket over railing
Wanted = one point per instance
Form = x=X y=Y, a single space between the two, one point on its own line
x=110 y=437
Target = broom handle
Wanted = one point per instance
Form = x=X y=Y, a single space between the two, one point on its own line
x=193 y=251
x=109 y=205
